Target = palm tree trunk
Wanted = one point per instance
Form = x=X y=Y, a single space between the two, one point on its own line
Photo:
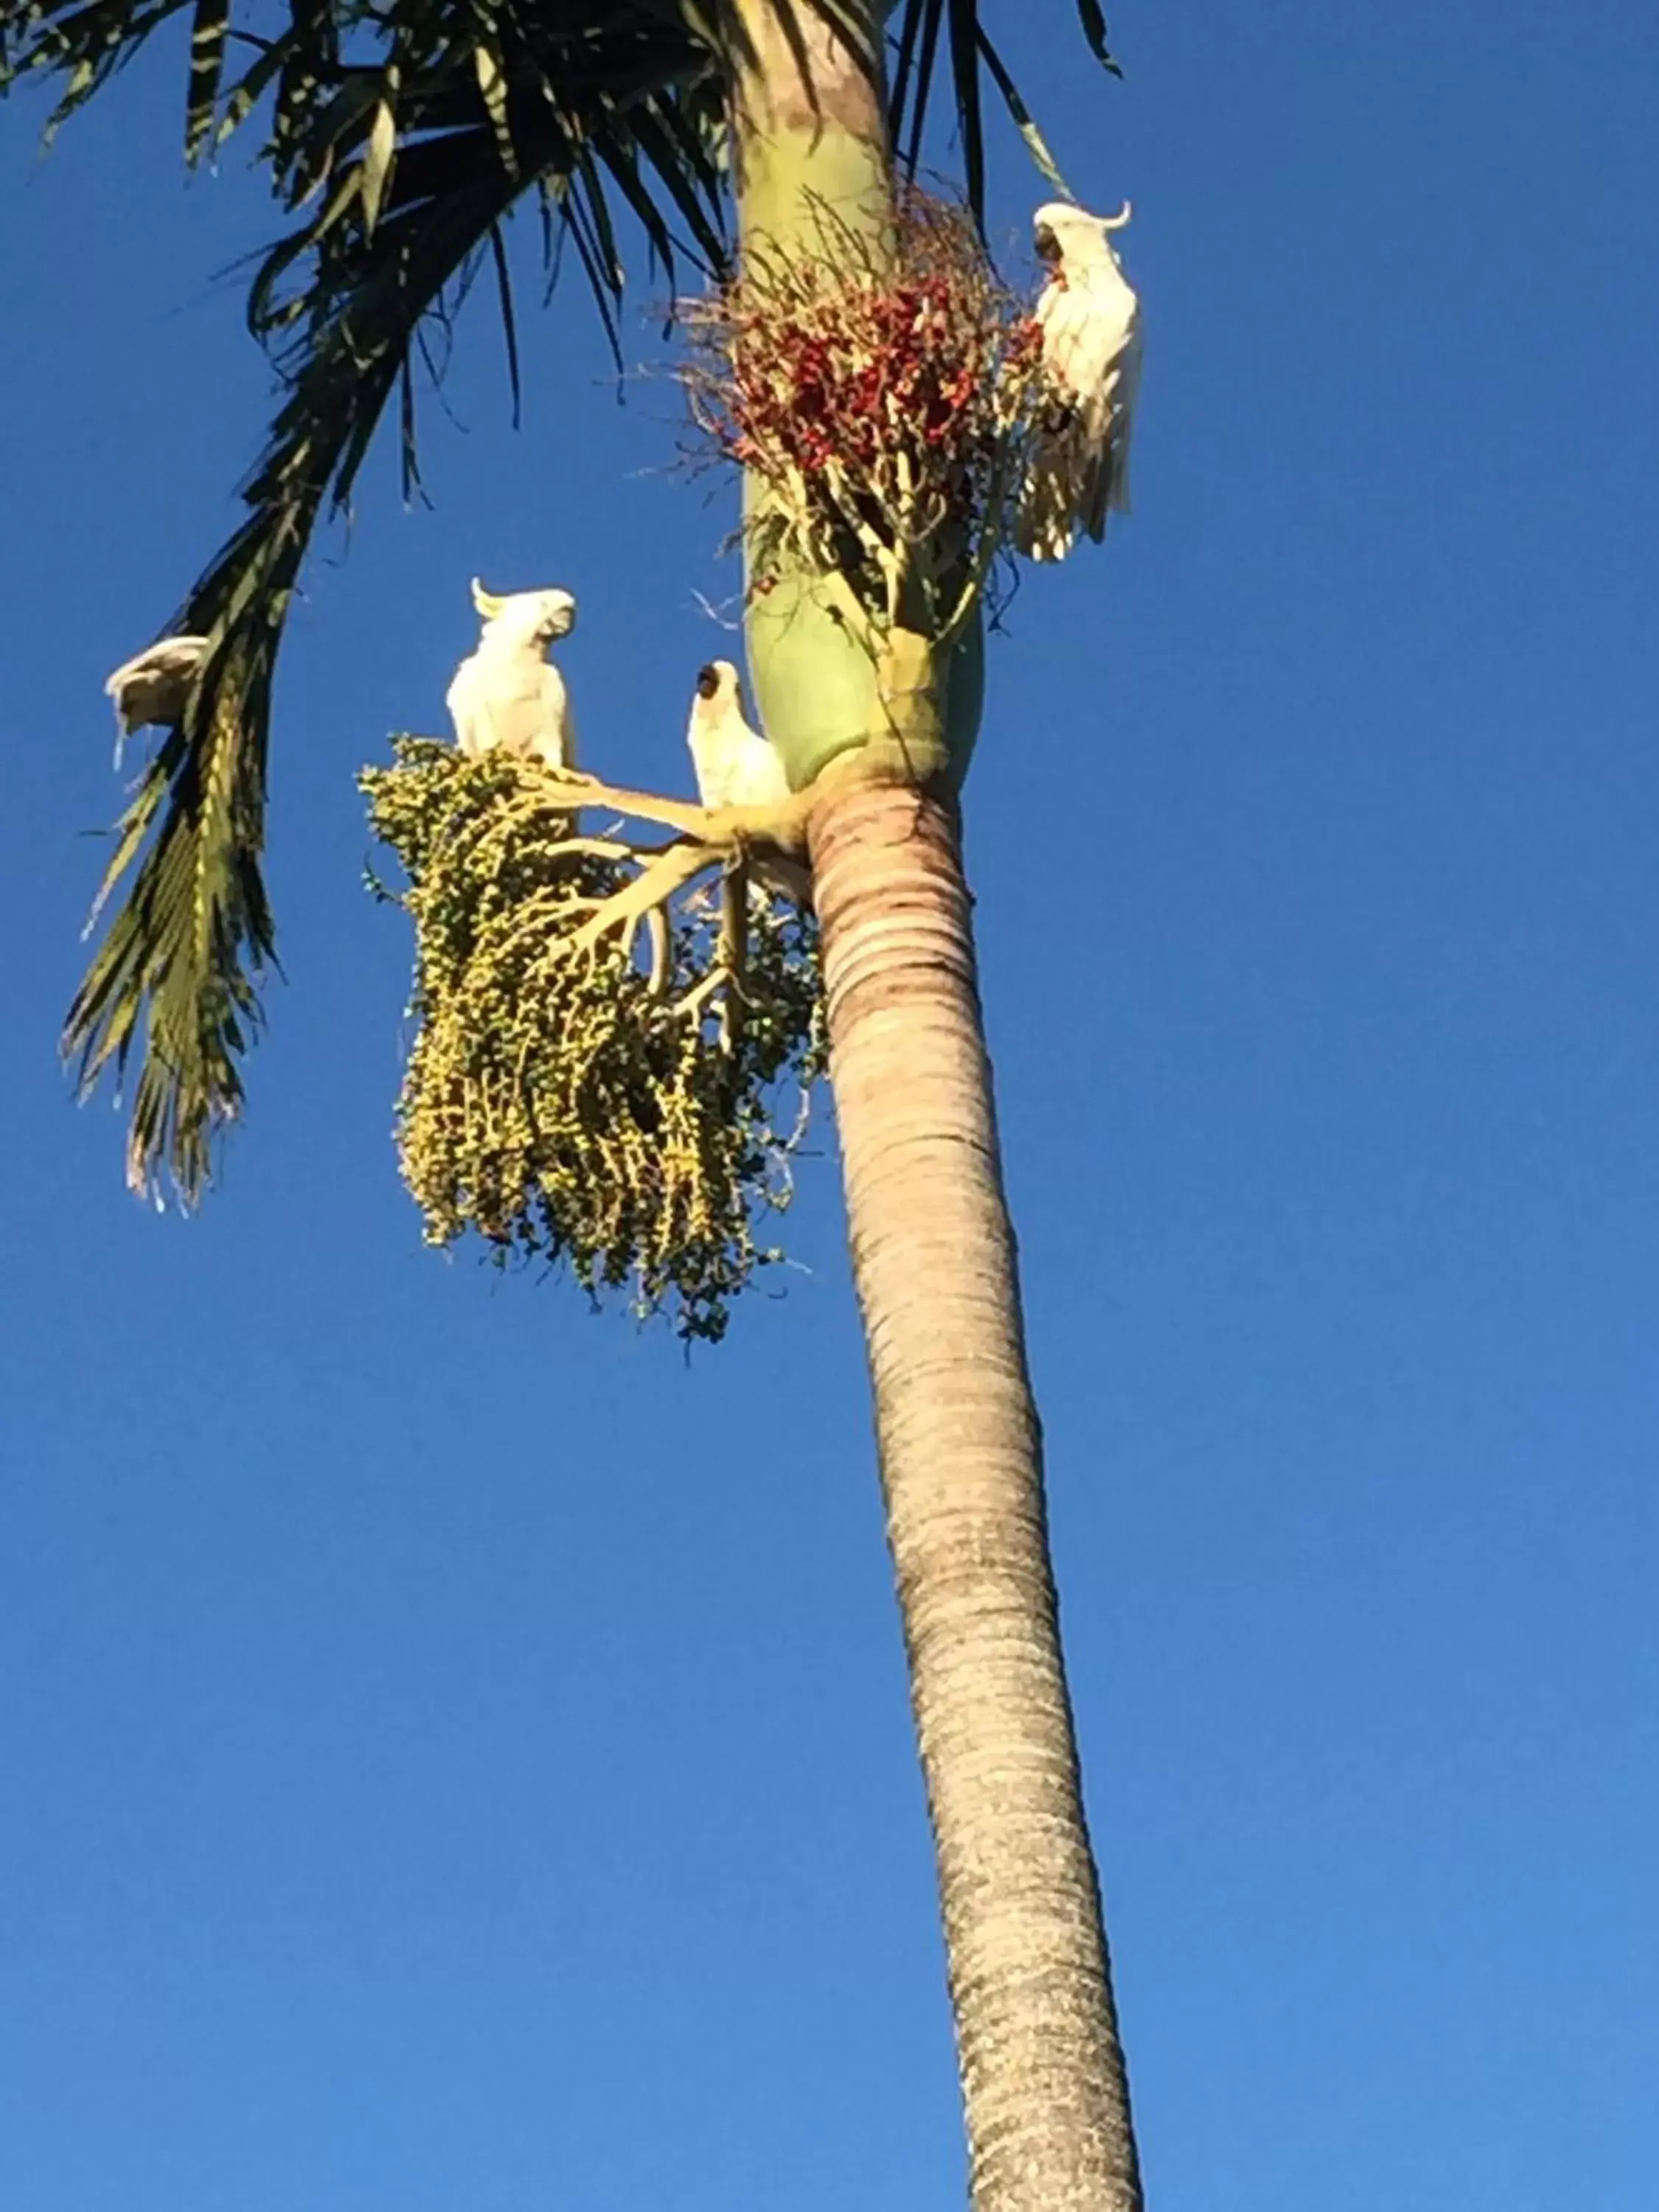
x=960 y=1447
x=1042 y=2074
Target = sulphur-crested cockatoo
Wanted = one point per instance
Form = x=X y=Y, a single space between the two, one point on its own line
x=507 y=696
x=1091 y=325
x=733 y=764
x=153 y=686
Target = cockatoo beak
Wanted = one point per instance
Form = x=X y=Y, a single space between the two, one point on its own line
x=1047 y=246
x=488 y=603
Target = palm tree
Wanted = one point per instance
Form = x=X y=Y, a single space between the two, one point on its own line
x=400 y=137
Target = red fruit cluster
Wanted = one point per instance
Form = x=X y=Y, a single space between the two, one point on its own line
x=870 y=371
x=884 y=399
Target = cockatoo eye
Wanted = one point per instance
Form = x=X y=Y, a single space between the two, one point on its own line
x=709 y=681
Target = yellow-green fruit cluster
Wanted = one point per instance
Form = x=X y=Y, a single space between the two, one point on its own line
x=564 y=1103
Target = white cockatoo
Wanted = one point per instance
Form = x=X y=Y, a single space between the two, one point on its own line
x=1091 y=325
x=153 y=686
x=507 y=695
x=733 y=764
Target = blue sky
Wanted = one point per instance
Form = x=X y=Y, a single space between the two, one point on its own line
x=455 y=1750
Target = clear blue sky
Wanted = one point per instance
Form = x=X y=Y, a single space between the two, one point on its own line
x=455 y=1753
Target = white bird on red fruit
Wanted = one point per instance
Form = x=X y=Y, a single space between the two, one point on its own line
x=1091 y=348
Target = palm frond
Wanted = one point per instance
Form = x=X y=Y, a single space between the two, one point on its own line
x=914 y=43
x=388 y=236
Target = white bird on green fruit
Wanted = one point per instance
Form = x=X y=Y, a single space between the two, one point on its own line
x=733 y=764
x=507 y=696
x=1090 y=320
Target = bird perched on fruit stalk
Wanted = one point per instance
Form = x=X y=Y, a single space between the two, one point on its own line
x=733 y=764
x=1092 y=346
x=153 y=687
x=507 y=696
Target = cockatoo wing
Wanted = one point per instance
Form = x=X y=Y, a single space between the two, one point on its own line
x=756 y=777
x=554 y=741
x=1098 y=352
x=1125 y=390
x=1080 y=470
x=1088 y=322
x=468 y=708
x=734 y=765
x=707 y=762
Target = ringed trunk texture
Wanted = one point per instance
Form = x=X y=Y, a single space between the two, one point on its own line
x=934 y=1256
